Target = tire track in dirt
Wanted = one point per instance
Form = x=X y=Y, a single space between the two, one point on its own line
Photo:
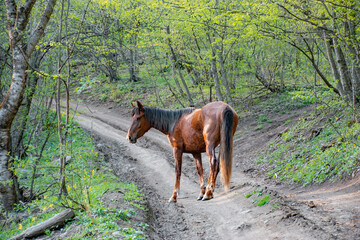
x=227 y=216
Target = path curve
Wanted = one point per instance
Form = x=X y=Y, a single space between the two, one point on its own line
x=228 y=216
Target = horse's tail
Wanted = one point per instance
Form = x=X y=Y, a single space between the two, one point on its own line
x=226 y=146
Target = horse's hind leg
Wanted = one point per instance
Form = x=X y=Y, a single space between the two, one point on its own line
x=178 y=161
x=199 y=168
x=213 y=171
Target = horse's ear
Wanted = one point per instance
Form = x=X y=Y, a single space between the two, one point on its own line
x=140 y=106
x=132 y=105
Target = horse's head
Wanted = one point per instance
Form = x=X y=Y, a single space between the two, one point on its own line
x=139 y=125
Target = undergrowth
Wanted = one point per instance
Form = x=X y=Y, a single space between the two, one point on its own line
x=325 y=145
x=259 y=200
x=88 y=180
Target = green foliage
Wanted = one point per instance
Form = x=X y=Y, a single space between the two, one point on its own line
x=259 y=200
x=88 y=180
x=263 y=118
x=279 y=103
x=86 y=83
x=263 y=201
x=259 y=126
x=319 y=147
x=258 y=192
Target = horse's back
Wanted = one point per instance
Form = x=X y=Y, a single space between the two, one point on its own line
x=195 y=129
x=212 y=112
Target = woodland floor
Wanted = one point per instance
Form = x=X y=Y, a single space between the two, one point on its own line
x=326 y=211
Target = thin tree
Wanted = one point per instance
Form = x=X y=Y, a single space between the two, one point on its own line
x=21 y=47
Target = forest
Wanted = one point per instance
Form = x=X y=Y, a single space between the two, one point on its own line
x=260 y=57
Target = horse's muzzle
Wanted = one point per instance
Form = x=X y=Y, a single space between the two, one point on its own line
x=131 y=139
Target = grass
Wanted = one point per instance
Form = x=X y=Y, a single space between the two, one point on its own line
x=279 y=103
x=332 y=153
x=259 y=200
x=88 y=182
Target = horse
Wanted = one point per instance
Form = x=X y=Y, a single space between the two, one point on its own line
x=193 y=131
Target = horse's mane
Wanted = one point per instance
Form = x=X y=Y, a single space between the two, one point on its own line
x=164 y=119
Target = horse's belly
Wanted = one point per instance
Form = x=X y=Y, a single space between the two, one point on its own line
x=195 y=144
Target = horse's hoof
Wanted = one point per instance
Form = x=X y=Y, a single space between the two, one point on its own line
x=200 y=197
x=172 y=200
x=207 y=197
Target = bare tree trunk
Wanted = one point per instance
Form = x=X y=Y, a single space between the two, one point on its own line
x=333 y=66
x=134 y=68
x=185 y=86
x=355 y=61
x=216 y=78
x=353 y=46
x=173 y=72
x=355 y=78
x=214 y=72
x=196 y=75
x=224 y=78
x=343 y=70
x=62 y=137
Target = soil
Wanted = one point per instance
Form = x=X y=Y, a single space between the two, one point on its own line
x=326 y=211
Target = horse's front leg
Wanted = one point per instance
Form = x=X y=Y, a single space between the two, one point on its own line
x=178 y=161
x=199 y=168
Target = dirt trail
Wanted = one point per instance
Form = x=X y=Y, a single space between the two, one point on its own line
x=301 y=213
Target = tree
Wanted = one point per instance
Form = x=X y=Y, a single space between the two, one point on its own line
x=22 y=46
x=325 y=33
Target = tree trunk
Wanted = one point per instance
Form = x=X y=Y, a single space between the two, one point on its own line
x=353 y=46
x=185 y=86
x=173 y=65
x=354 y=58
x=55 y=222
x=224 y=79
x=17 y=135
x=215 y=76
x=333 y=66
x=214 y=72
x=7 y=188
x=17 y=20
x=133 y=68
x=343 y=71
x=17 y=132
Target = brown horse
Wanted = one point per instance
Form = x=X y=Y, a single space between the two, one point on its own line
x=192 y=131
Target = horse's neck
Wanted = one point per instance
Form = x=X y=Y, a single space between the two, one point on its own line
x=164 y=120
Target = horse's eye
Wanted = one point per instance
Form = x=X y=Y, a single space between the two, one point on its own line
x=138 y=118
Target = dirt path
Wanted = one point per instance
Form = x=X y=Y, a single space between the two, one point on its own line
x=301 y=213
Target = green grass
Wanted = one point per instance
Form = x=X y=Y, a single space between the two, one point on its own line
x=299 y=157
x=259 y=200
x=282 y=102
x=88 y=180
x=263 y=118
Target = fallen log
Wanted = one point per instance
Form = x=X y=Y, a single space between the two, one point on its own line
x=326 y=146
x=284 y=131
x=54 y=222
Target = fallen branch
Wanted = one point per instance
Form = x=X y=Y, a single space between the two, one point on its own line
x=326 y=146
x=284 y=131
x=54 y=222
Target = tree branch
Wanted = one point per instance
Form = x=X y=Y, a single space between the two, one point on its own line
x=24 y=14
x=40 y=28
